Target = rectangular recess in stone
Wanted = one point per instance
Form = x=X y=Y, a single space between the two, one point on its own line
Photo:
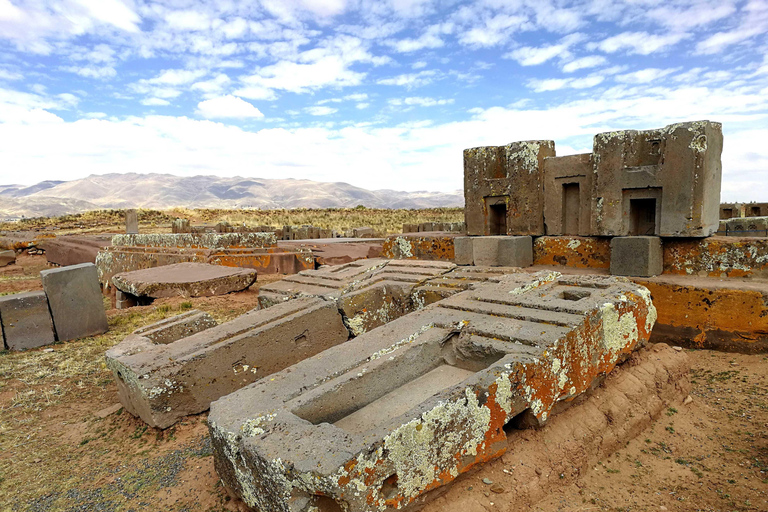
x=162 y=381
x=76 y=301
x=638 y=256
x=376 y=422
x=26 y=321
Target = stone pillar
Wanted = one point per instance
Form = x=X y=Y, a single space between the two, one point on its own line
x=131 y=222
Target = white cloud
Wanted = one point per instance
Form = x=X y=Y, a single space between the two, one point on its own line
x=533 y=56
x=320 y=110
x=641 y=43
x=555 y=84
x=92 y=71
x=155 y=102
x=227 y=107
x=412 y=79
x=361 y=106
x=214 y=85
x=643 y=76
x=584 y=63
x=429 y=39
x=420 y=101
x=10 y=75
x=492 y=31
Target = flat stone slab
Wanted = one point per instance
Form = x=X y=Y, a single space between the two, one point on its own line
x=376 y=422
x=76 y=302
x=25 y=321
x=162 y=378
x=185 y=280
x=73 y=250
x=7 y=257
x=197 y=240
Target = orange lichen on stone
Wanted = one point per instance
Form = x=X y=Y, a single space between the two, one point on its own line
x=419 y=247
x=572 y=251
x=717 y=257
x=712 y=314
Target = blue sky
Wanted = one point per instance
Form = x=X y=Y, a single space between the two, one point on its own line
x=380 y=94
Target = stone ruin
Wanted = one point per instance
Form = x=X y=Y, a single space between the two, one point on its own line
x=305 y=232
x=651 y=183
x=69 y=307
x=376 y=422
x=248 y=250
x=365 y=386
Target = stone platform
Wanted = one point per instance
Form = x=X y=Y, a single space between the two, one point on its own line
x=376 y=422
x=246 y=250
x=184 y=280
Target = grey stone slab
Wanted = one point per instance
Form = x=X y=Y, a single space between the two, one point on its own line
x=374 y=423
x=637 y=256
x=163 y=379
x=186 y=279
x=76 y=302
x=463 y=250
x=503 y=251
x=131 y=222
x=26 y=321
x=7 y=257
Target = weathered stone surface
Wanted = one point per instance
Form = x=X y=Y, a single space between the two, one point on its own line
x=572 y=251
x=568 y=194
x=376 y=422
x=271 y=260
x=744 y=227
x=639 y=256
x=421 y=246
x=177 y=327
x=717 y=257
x=131 y=222
x=755 y=209
x=7 y=257
x=337 y=251
x=75 y=300
x=125 y=300
x=368 y=293
x=185 y=280
x=731 y=210
x=73 y=250
x=463 y=250
x=502 y=251
x=327 y=282
x=162 y=381
x=504 y=188
x=457 y=280
x=25 y=321
x=663 y=182
x=197 y=241
x=710 y=313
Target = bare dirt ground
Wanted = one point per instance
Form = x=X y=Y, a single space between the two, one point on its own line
x=709 y=454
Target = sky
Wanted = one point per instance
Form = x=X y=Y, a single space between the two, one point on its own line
x=382 y=94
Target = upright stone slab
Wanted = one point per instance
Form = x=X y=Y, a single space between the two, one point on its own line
x=26 y=321
x=375 y=423
x=7 y=257
x=568 y=194
x=637 y=256
x=503 y=251
x=131 y=222
x=463 y=250
x=161 y=379
x=76 y=301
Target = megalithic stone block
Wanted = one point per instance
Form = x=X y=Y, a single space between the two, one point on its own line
x=131 y=222
x=7 y=257
x=161 y=381
x=25 y=321
x=76 y=302
x=375 y=423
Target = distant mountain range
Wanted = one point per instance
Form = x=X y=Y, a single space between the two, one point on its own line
x=162 y=191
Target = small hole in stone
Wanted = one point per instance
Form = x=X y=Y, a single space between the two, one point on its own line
x=575 y=294
x=389 y=488
x=325 y=504
x=521 y=421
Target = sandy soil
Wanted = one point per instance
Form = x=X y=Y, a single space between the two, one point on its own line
x=632 y=445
